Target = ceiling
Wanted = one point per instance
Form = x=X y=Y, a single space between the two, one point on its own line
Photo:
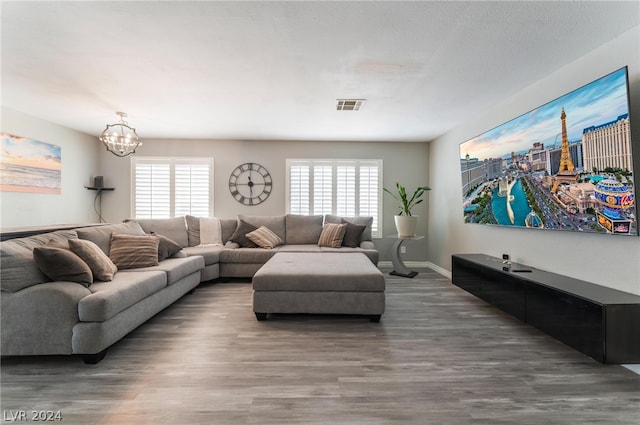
x=273 y=70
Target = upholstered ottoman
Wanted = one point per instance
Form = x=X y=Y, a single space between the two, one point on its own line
x=319 y=283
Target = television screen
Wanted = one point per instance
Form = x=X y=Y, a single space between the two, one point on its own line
x=567 y=165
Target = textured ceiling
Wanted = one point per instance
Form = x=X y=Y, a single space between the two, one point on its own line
x=273 y=70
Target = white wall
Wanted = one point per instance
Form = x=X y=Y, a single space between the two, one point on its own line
x=79 y=163
x=404 y=162
x=612 y=261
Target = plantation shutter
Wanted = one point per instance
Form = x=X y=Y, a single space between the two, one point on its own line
x=342 y=187
x=322 y=188
x=299 y=189
x=172 y=187
x=192 y=189
x=370 y=201
x=152 y=190
x=345 y=189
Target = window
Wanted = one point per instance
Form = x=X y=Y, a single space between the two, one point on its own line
x=336 y=186
x=172 y=187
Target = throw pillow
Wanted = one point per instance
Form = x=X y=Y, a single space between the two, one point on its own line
x=360 y=220
x=100 y=264
x=166 y=247
x=332 y=235
x=130 y=252
x=352 y=234
x=210 y=231
x=264 y=238
x=239 y=236
x=61 y=264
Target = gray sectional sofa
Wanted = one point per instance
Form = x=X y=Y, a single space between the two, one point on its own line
x=44 y=317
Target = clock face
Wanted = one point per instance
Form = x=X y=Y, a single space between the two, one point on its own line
x=250 y=183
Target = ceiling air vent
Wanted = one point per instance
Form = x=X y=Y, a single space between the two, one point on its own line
x=350 y=104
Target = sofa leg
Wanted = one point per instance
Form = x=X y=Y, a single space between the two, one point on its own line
x=375 y=318
x=261 y=316
x=94 y=358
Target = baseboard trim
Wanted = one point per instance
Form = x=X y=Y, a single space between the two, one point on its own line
x=415 y=264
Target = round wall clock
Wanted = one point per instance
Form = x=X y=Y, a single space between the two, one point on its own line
x=250 y=183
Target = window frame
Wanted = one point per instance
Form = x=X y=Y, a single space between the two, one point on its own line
x=335 y=163
x=172 y=162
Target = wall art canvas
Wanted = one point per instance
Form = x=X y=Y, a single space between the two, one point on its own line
x=566 y=165
x=28 y=165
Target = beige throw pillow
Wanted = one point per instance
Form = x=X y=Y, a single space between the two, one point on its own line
x=264 y=238
x=130 y=252
x=101 y=266
x=332 y=235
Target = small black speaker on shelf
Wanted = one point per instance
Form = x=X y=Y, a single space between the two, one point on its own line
x=98 y=181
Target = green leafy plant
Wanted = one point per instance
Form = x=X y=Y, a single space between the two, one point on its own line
x=406 y=204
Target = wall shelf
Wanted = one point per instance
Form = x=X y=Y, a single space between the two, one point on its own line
x=99 y=189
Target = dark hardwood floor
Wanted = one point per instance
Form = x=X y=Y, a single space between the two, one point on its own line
x=438 y=356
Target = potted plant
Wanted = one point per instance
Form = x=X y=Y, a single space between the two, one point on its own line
x=406 y=222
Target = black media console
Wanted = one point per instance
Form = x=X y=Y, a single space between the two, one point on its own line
x=601 y=322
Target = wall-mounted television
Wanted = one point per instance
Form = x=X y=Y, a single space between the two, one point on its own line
x=566 y=165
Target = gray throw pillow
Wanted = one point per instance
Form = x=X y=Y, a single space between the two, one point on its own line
x=352 y=234
x=60 y=264
x=239 y=236
x=166 y=247
x=100 y=264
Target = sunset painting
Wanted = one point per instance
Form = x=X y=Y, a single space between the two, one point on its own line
x=28 y=165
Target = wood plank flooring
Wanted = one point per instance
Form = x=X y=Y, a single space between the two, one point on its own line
x=438 y=356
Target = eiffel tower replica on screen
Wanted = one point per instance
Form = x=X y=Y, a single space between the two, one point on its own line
x=567 y=171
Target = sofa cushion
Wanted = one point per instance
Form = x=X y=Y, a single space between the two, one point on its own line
x=366 y=221
x=332 y=235
x=240 y=235
x=101 y=265
x=303 y=229
x=172 y=228
x=275 y=223
x=299 y=248
x=62 y=265
x=126 y=289
x=19 y=271
x=166 y=247
x=175 y=268
x=211 y=254
x=352 y=234
x=227 y=226
x=130 y=252
x=193 y=230
x=264 y=238
x=101 y=235
x=247 y=255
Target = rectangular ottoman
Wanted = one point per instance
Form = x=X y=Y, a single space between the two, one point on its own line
x=319 y=283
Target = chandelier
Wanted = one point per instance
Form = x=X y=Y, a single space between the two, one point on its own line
x=120 y=139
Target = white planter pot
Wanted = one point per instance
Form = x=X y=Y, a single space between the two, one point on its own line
x=406 y=225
